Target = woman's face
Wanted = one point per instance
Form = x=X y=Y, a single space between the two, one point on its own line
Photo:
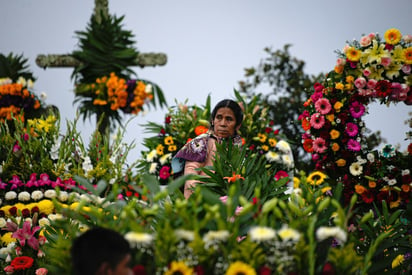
x=225 y=123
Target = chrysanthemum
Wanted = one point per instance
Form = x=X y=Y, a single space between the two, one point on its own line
x=323 y=106
x=288 y=234
x=324 y=232
x=356 y=169
x=179 y=268
x=316 y=178
x=353 y=54
x=392 y=36
x=319 y=145
x=137 y=239
x=317 y=120
x=186 y=235
x=240 y=268
x=272 y=156
x=261 y=233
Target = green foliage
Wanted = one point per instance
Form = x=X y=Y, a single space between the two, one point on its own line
x=15 y=66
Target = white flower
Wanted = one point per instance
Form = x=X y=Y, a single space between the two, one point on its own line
x=50 y=194
x=2 y=222
x=85 y=197
x=43 y=96
x=63 y=196
x=286 y=233
x=186 y=235
x=324 y=232
x=11 y=195
x=287 y=160
x=360 y=160
x=283 y=147
x=54 y=217
x=148 y=88
x=216 y=236
x=356 y=169
x=54 y=151
x=9 y=249
x=272 y=156
x=163 y=159
x=151 y=156
x=24 y=196
x=261 y=233
x=405 y=172
x=37 y=195
x=370 y=157
x=153 y=168
x=43 y=222
x=22 y=81
x=30 y=84
x=87 y=165
x=136 y=239
x=392 y=182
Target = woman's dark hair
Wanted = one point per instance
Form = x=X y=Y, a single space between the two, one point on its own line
x=96 y=246
x=232 y=105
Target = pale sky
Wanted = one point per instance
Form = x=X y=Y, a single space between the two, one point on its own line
x=208 y=45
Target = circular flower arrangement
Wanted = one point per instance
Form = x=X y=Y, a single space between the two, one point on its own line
x=369 y=70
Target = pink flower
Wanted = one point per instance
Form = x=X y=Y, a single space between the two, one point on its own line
x=360 y=82
x=16 y=148
x=317 y=121
x=386 y=61
x=281 y=174
x=323 y=106
x=15 y=182
x=366 y=72
x=365 y=41
x=238 y=210
x=372 y=35
x=32 y=182
x=353 y=145
x=356 y=109
x=340 y=62
x=223 y=199
x=319 y=145
x=41 y=271
x=406 y=69
x=27 y=234
x=371 y=83
x=164 y=172
x=9 y=269
x=3 y=185
x=44 y=180
x=407 y=38
x=351 y=129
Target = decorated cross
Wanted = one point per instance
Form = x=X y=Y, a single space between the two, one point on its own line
x=68 y=61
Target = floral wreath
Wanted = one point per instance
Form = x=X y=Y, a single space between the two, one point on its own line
x=368 y=70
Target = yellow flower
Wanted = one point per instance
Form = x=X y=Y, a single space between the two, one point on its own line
x=265 y=148
x=272 y=142
x=376 y=53
x=330 y=117
x=46 y=207
x=6 y=238
x=316 y=178
x=168 y=140
x=337 y=106
x=159 y=149
x=296 y=182
x=239 y=267
x=392 y=36
x=408 y=55
x=397 y=261
x=353 y=54
x=339 y=86
x=172 y=148
x=350 y=79
x=262 y=137
x=179 y=268
x=326 y=189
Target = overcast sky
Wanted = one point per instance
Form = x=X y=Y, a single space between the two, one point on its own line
x=208 y=44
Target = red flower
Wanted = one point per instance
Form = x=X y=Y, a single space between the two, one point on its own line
x=383 y=88
x=264 y=270
x=139 y=270
x=268 y=130
x=13 y=210
x=22 y=263
x=164 y=172
x=367 y=196
x=281 y=174
x=199 y=270
x=328 y=269
x=167 y=119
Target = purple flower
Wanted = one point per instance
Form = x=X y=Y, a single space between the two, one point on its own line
x=3 y=185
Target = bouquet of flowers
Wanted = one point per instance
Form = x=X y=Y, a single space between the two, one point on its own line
x=372 y=69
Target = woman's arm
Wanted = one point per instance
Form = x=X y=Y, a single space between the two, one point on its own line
x=190 y=168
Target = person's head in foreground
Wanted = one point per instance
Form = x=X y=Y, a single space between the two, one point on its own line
x=101 y=251
x=226 y=118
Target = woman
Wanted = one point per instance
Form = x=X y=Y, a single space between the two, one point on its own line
x=225 y=121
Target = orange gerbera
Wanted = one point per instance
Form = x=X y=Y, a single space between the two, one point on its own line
x=234 y=177
x=200 y=130
x=392 y=36
x=305 y=124
x=308 y=145
x=408 y=55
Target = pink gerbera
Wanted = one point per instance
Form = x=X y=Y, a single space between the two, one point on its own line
x=319 y=145
x=353 y=145
x=164 y=172
x=351 y=129
x=356 y=109
x=323 y=106
x=317 y=121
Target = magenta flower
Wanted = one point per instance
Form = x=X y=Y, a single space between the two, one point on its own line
x=323 y=106
x=319 y=145
x=32 y=181
x=353 y=145
x=15 y=182
x=44 y=180
x=317 y=121
x=164 y=172
x=3 y=185
x=356 y=109
x=351 y=129
x=316 y=96
x=27 y=234
x=281 y=174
